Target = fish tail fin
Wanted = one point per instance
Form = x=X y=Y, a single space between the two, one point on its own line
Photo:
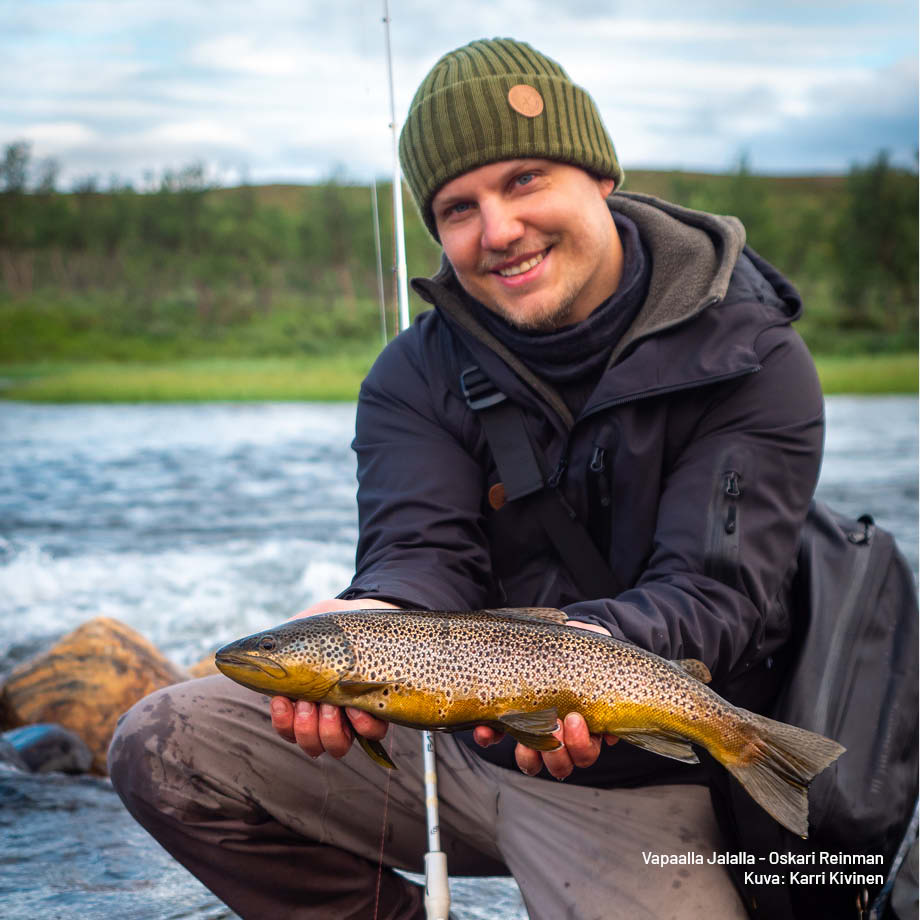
x=776 y=766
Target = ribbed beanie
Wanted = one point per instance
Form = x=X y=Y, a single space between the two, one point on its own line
x=498 y=99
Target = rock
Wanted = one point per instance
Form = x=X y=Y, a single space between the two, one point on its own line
x=203 y=668
x=85 y=682
x=9 y=756
x=49 y=748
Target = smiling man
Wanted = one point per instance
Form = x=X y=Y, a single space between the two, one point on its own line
x=606 y=411
x=532 y=240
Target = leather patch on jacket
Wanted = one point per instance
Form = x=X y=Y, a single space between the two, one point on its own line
x=497 y=496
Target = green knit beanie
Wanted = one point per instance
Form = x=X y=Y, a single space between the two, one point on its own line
x=493 y=100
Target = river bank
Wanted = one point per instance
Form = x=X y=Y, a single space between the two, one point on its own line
x=332 y=377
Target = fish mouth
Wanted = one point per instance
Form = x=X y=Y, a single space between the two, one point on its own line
x=251 y=663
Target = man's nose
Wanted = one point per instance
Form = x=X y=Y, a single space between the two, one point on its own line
x=501 y=227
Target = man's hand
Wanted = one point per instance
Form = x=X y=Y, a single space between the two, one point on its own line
x=321 y=727
x=580 y=748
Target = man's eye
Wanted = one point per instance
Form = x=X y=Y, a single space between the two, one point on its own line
x=524 y=179
x=457 y=208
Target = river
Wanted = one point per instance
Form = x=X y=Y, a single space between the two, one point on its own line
x=198 y=524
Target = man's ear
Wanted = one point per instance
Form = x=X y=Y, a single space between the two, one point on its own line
x=606 y=186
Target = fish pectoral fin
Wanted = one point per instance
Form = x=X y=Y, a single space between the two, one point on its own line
x=357 y=687
x=695 y=668
x=376 y=751
x=661 y=744
x=533 y=729
x=544 y=614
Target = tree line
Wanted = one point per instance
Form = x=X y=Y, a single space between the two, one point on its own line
x=185 y=267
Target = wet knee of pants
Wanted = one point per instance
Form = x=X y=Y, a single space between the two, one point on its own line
x=143 y=730
x=170 y=755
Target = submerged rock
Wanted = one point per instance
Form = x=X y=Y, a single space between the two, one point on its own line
x=10 y=757
x=49 y=748
x=85 y=682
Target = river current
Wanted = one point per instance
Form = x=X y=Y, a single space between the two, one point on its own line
x=198 y=524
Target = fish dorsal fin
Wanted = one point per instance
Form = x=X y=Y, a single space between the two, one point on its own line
x=357 y=687
x=658 y=744
x=545 y=614
x=533 y=729
x=695 y=668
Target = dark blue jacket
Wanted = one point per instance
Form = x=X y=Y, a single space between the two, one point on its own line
x=708 y=423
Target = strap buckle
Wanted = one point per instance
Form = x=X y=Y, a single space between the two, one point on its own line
x=479 y=391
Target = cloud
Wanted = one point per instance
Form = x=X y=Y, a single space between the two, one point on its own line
x=290 y=89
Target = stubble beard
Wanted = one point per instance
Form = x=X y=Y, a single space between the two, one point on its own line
x=546 y=317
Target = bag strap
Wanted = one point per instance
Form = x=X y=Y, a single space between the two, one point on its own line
x=522 y=476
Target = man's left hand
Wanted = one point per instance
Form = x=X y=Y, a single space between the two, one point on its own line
x=579 y=747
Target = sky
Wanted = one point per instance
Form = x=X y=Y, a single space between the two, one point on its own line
x=283 y=91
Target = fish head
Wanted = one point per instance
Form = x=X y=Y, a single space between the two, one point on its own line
x=301 y=659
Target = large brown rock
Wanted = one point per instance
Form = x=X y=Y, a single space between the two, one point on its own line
x=203 y=668
x=85 y=682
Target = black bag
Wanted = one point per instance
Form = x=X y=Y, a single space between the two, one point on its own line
x=854 y=679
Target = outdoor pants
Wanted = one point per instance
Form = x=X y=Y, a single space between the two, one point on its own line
x=276 y=834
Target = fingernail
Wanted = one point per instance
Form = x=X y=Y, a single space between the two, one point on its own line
x=304 y=709
x=278 y=707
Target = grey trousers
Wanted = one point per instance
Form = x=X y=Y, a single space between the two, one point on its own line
x=276 y=834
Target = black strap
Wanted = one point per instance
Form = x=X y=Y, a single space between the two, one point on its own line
x=522 y=476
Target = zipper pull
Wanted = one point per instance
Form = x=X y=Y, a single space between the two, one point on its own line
x=558 y=473
x=598 y=460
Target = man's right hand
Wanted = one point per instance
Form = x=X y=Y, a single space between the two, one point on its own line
x=321 y=727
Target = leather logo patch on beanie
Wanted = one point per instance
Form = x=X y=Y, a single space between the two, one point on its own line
x=526 y=100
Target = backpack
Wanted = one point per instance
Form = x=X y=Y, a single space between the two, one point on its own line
x=853 y=678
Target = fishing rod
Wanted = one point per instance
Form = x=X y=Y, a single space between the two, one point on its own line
x=437 y=889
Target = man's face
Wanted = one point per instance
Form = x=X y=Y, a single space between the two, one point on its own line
x=532 y=240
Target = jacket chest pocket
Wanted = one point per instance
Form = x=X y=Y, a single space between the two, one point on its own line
x=725 y=521
x=599 y=488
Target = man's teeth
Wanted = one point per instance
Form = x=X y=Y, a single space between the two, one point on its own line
x=521 y=267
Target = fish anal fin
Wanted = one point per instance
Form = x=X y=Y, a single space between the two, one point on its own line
x=357 y=687
x=376 y=751
x=660 y=744
x=545 y=614
x=695 y=668
x=533 y=729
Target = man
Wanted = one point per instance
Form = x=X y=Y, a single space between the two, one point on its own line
x=672 y=408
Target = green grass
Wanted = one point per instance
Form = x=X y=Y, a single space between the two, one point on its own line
x=331 y=378
x=868 y=374
x=326 y=378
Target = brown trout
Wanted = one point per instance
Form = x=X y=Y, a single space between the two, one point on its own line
x=519 y=671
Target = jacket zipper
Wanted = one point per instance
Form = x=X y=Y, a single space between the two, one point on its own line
x=599 y=494
x=733 y=493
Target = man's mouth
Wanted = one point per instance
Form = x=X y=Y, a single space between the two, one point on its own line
x=509 y=271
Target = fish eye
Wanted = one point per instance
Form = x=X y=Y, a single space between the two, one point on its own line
x=267 y=643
